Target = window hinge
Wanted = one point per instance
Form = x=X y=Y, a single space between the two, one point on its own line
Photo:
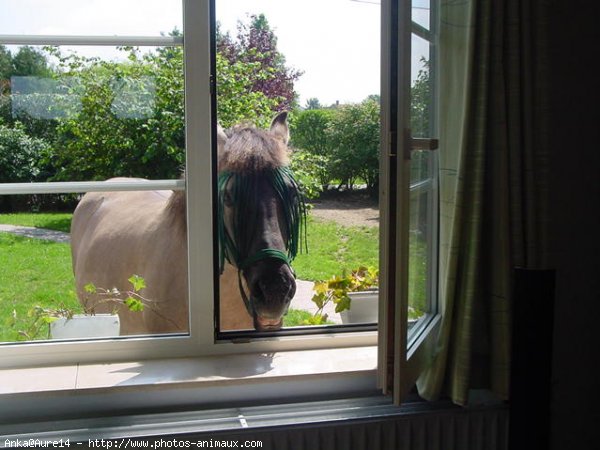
x=392 y=143
x=212 y=85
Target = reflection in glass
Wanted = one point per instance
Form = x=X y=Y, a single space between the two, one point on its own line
x=91 y=18
x=421 y=91
x=419 y=241
x=421 y=12
x=80 y=118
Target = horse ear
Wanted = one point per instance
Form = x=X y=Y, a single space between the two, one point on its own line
x=221 y=138
x=279 y=127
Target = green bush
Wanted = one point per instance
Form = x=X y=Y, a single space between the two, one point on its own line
x=340 y=144
x=353 y=136
x=131 y=119
x=311 y=171
x=309 y=130
x=19 y=155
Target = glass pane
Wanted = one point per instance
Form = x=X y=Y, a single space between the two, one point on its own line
x=420 y=12
x=91 y=17
x=420 y=239
x=421 y=92
x=75 y=118
x=269 y=59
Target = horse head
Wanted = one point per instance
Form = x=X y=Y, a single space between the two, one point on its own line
x=261 y=215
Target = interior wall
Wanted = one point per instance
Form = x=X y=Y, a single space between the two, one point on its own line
x=575 y=229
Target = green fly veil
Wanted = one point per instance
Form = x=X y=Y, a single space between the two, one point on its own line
x=243 y=193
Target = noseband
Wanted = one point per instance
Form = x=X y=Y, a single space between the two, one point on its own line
x=245 y=194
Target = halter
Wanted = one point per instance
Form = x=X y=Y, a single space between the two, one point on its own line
x=245 y=194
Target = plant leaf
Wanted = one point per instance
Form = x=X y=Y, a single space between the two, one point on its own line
x=138 y=282
x=134 y=304
x=342 y=304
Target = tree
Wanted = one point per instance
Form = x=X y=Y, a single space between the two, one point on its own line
x=313 y=103
x=421 y=102
x=131 y=119
x=256 y=45
x=30 y=62
x=5 y=65
x=420 y=115
x=237 y=101
x=5 y=73
x=27 y=62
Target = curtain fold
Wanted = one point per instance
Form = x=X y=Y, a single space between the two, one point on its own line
x=493 y=185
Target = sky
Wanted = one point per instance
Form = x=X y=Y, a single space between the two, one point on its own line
x=335 y=43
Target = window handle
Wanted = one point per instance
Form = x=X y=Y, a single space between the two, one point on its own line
x=424 y=144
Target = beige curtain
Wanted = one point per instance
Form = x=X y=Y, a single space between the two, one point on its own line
x=493 y=173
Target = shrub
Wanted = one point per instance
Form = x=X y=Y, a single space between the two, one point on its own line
x=19 y=155
x=311 y=171
x=309 y=130
x=21 y=158
x=353 y=136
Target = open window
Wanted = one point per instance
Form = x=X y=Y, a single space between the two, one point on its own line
x=410 y=313
x=404 y=246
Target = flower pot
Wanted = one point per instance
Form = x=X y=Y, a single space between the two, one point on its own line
x=364 y=307
x=84 y=326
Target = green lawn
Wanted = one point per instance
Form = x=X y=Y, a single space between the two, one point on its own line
x=52 y=221
x=34 y=272
x=39 y=272
x=333 y=248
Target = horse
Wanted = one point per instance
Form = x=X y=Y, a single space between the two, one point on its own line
x=261 y=213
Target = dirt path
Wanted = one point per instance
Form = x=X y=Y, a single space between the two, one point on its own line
x=351 y=208
x=36 y=233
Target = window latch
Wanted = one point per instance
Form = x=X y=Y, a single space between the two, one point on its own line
x=424 y=144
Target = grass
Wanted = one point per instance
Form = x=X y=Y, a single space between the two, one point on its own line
x=52 y=221
x=299 y=318
x=333 y=248
x=39 y=272
x=34 y=272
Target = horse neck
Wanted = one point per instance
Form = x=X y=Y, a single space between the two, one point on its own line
x=176 y=211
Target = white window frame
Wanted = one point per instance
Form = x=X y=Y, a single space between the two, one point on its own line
x=199 y=186
x=408 y=353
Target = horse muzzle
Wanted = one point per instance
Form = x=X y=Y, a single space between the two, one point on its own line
x=270 y=295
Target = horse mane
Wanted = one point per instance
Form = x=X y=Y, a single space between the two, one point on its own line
x=251 y=150
x=247 y=150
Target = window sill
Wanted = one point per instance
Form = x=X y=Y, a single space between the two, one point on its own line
x=85 y=389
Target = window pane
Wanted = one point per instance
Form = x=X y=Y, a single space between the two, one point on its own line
x=423 y=206
x=420 y=12
x=77 y=118
x=40 y=254
x=421 y=92
x=329 y=81
x=100 y=118
x=90 y=17
x=420 y=246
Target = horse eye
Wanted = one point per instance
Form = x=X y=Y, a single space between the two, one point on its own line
x=227 y=199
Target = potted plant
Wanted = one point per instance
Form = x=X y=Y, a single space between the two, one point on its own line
x=355 y=295
x=64 y=323
x=93 y=325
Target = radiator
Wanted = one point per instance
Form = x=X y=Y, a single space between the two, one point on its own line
x=483 y=429
x=352 y=424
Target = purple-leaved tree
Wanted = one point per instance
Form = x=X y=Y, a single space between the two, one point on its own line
x=256 y=43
